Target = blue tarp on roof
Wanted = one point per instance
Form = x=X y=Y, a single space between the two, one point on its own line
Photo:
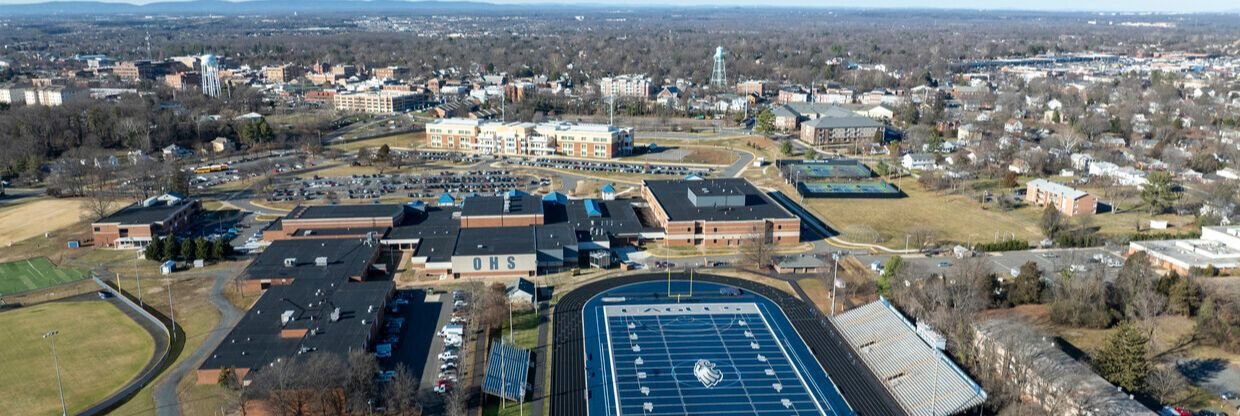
x=593 y=209
x=508 y=371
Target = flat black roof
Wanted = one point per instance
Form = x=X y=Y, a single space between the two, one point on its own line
x=256 y=342
x=495 y=240
x=618 y=217
x=345 y=257
x=314 y=212
x=435 y=221
x=138 y=214
x=673 y=196
x=494 y=205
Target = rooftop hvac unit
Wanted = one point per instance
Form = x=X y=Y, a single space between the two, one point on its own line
x=290 y=261
x=335 y=315
x=286 y=317
x=320 y=261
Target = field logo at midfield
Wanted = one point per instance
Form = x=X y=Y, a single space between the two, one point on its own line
x=706 y=373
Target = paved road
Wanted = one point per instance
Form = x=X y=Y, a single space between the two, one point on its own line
x=167 y=403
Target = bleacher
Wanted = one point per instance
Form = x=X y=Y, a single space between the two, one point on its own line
x=922 y=379
x=508 y=370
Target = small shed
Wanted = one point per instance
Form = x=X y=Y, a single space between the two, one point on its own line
x=167 y=267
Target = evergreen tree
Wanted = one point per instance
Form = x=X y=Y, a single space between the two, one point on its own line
x=155 y=250
x=178 y=181
x=1210 y=328
x=171 y=248
x=187 y=249
x=217 y=249
x=1159 y=192
x=1184 y=296
x=1027 y=288
x=202 y=249
x=765 y=122
x=889 y=272
x=785 y=147
x=1052 y=221
x=1124 y=360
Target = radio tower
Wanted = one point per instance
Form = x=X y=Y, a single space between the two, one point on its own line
x=719 y=77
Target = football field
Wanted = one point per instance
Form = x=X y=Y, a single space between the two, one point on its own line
x=30 y=274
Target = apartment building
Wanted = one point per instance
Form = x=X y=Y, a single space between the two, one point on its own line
x=1068 y=200
x=12 y=95
x=52 y=95
x=626 y=86
x=379 y=102
x=593 y=141
x=841 y=131
x=282 y=73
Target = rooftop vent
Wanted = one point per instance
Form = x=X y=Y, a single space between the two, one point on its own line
x=335 y=315
x=290 y=261
x=286 y=317
x=320 y=261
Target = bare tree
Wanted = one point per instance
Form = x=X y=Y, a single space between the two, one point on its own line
x=455 y=403
x=757 y=252
x=401 y=393
x=360 y=383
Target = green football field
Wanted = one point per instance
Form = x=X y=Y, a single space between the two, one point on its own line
x=30 y=274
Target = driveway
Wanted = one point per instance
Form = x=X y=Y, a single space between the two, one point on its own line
x=167 y=402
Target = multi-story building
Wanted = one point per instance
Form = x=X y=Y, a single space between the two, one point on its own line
x=134 y=70
x=792 y=95
x=391 y=72
x=344 y=71
x=183 y=80
x=1068 y=200
x=626 y=86
x=593 y=141
x=12 y=95
x=282 y=73
x=841 y=131
x=755 y=87
x=379 y=102
x=729 y=212
x=52 y=95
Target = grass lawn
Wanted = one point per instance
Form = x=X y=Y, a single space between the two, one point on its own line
x=493 y=408
x=819 y=293
x=951 y=217
x=30 y=274
x=36 y=216
x=196 y=317
x=403 y=140
x=525 y=325
x=99 y=348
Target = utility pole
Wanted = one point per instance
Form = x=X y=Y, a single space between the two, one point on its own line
x=50 y=336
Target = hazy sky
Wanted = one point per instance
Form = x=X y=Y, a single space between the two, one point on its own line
x=1074 y=5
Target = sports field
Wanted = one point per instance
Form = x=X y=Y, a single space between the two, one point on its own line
x=100 y=349
x=35 y=216
x=828 y=169
x=728 y=354
x=30 y=274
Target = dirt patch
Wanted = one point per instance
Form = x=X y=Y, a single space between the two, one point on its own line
x=37 y=216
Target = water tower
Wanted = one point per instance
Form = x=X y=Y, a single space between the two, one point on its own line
x=719 y=77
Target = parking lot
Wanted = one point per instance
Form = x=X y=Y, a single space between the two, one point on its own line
x=411 y=186
x=610 y=167
x=1051 y=262
x=411 y=337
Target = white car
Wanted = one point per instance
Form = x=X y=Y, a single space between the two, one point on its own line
x=448 y=356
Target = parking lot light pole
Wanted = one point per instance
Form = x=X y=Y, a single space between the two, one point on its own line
x=50 y=336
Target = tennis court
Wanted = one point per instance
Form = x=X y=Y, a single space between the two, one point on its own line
x=31 y=274
x=705 y=353
x=875 y=189
x=827 y=169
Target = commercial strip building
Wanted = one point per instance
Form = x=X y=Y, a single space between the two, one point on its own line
x=718 y=212
x=1068 y=200
x=592 y=141
x=379 y=102
x=136 y=225
x=908 y=361
x=1218 y=247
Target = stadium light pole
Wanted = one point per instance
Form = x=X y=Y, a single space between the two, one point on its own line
x=172 y=312
x=835 y=280
x=50 y=336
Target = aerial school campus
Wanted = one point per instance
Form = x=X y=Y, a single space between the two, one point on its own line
x=413 y=208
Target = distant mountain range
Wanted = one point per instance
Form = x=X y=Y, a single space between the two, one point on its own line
x=220 y=7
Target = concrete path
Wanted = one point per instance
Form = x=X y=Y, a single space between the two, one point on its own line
x=167 y=402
